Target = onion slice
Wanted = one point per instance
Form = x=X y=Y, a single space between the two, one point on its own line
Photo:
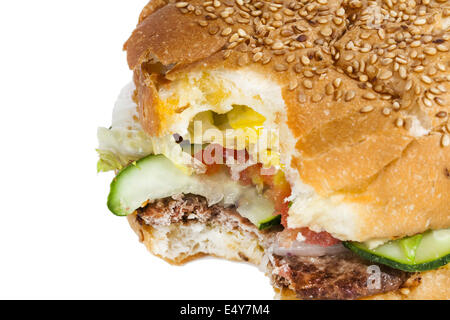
x=301 y=248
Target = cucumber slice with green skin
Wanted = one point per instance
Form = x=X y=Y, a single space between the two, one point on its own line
x=156 y=177
x=431 y=251
x=269 y=223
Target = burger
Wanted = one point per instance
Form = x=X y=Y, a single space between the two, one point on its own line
x=307 y=137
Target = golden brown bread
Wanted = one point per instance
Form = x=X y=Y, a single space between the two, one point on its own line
x=364 y=86
x=430 y=285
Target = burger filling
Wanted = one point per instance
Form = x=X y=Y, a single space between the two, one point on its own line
x=179 y=179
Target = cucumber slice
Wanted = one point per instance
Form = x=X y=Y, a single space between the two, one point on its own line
x=410 y=246
x=428 y=252
x=269 y=223
x=156 y=177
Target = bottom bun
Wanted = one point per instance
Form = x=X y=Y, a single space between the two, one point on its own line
x=180 y=243
x=430 y=285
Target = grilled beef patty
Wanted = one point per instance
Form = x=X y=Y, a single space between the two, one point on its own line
x=340 y=277
x=345 y=276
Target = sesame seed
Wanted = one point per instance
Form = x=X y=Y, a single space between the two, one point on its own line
x=429 y=95
x=442 y=48
x=213 y=30
x=279 y=67
x=278 y=45
x=305 y=60
x=399 y=122
x=348 y=56
x=232 y=45
x=401 y=60
x=229 y=20
x=403 y=73
x=432 y=71
x=293 y=84
x=363 y=78
x=329 y=89
x=234 y=38
x=408 y=123
x=326 y=31
x=338 y=21
x=441 y=114
x=266 y=59
x=317 y=98
x=302 y=98
x=226 y=54
x=445 y=141
x=430 y=51
x=227 y=31
x=289 y=12
x=434 y=90
x=367 y=109
x=386 y=111
x=369 y=96
x=242 y=33
x=257 y=56
x=290 y=58
x=408 y=85
x=427 y=102
x=181 y=4
x=442 y=88
x=308 y=74
x=385 y=75
x=420 y=22
x=426 y=79
x=287 y=32
x=307 y=84
x=337 y=82
x=210 y=16
x=350 y=95
x=302 y=38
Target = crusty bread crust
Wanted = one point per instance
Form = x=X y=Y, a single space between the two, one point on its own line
x=431 y=285
x=365 y=100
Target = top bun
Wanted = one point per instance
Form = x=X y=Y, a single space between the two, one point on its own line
x=358 y=89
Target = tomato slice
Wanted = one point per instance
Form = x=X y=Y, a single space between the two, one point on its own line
x=323 y=239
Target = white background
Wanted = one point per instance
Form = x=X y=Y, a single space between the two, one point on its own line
x=61 y=69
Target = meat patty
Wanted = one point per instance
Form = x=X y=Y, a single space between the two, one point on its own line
x=341 y=277
x=188 y=208
x=345 y=276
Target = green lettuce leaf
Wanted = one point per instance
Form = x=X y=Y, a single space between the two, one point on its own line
x=119 y=147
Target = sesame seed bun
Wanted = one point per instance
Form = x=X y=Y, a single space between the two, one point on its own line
x=358 y=89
